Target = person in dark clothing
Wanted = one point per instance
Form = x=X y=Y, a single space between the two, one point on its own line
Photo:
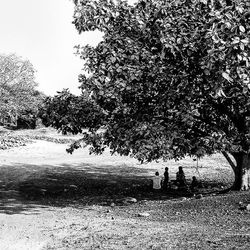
x=180 y=178
x=166 y=179
x=194 y=184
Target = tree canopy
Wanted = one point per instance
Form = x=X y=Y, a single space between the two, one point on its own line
x=17 y=88
x=171 y=78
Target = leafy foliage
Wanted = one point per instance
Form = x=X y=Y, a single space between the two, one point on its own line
x=171 y=77
x=17 y=88
x=70 y=114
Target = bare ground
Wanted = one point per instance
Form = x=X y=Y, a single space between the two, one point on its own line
x=53 y=200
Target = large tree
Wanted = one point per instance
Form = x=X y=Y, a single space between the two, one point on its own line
x=171 y=78
x=18 y=94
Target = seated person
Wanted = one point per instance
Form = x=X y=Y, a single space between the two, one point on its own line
x=166 y=179
x=194 y=184
x=180 y=178
x=157 y=181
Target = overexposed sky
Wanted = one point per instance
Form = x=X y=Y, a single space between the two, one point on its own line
x=42 y=32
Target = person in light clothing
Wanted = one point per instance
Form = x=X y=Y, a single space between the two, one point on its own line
x=157 y=182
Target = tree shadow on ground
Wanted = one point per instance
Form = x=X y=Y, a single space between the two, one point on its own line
x=18 y=206
x=24 y=187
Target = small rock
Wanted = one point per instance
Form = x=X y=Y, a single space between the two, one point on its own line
x=112 y=204
x=130 y=200
x=143 y=214
x=126 y=201
x=43 y=191
x=248 y=207
x=103 y=203
x=198 y=196
x=112 y=182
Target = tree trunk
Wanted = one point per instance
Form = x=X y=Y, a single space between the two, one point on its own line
x=241 y=171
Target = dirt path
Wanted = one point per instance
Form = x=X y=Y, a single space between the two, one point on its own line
x=187 y=224
x=72 y=212
x=30 y=225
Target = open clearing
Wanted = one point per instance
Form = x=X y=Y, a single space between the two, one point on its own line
x=52 y=200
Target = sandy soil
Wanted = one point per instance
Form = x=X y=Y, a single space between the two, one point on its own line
x=74 y=211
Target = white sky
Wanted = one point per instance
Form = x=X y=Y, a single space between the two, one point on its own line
x=42 y=32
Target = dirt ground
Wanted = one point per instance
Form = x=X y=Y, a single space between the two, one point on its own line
x=53 y=200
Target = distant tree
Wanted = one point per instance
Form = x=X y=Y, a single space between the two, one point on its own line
x=70 y=113
x=171 y=79
x=17 y=88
